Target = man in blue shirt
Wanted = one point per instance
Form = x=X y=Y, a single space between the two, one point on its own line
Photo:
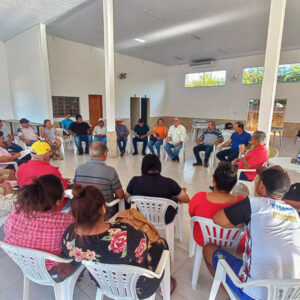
x=209 y=138
x=122 y=134
x=239 y=137
x=140 y=132
x=66 y=123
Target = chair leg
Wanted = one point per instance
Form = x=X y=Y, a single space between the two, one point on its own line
x=99 y=295
x=192 y=245
x=26 y=288
x=197 y=265
x=170 y=238
x=179 y=222
x=165 y=283
x=220 y=275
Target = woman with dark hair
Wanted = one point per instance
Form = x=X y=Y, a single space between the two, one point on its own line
x=36 y=222
x=205 y=204
x=158 y=134
x=91 y=238
x=152 y=184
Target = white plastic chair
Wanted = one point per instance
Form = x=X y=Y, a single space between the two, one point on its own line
x=14 y=163
x=64 y=142
x=119 y=281
x=212 y=234
x=154 y=209
x=113 y=203
x=249 y=184
x=278 y=289
x=211 y=159
x=32 y=264
x=181 y=152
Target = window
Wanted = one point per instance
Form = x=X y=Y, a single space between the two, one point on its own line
x=286 y=73
x=278 y=113
x=215 y=78
x=64 y=105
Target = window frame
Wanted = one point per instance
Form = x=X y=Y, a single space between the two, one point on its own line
x=205 y=72
x=66 y=106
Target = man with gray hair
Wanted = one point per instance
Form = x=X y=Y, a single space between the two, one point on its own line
x=254 y=158
x=95 y=172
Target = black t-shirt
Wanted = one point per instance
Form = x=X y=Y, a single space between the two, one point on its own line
x=239 y=213
x=141 y=130
x=155 y=185
x=80 y=128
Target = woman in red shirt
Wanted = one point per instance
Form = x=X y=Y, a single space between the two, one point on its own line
x=207 y=204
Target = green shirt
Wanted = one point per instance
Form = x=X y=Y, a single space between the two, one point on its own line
x=141 y=130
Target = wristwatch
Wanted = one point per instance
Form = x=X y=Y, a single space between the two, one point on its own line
x=242 y=155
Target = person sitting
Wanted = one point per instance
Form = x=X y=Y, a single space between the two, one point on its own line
x=96 y=172
x=240 y=136
x=140 y=132
x=5 y=157
x=272 y=235
x=80 y=131
x=205 y=204
x=152 y=184
x=254 y=158
x=8 y=140
x=92 y=238
x=175 y=139
x=26 y=132
x=36 y=222
x=122 y=134
x=158 y=134
x=228 y=126
x=66 y=123
x=99 y=132
x=50 y=134
x=209 y=138
x=38 y=165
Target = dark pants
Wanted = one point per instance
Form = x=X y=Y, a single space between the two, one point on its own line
x=207 y=149
x=135 y=140
x=228 y=155
x=19 y=162
x=122 y=141
x=13 y=148
x=83 y=138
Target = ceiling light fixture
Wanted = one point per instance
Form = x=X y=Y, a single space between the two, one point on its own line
x=140 y=41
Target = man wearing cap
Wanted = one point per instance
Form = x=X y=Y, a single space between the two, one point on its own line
x=122 y=134
x=140 y=132
x=80 y=130
x=8 y=140
x=39 y=165
x=26 y=132
x=99 y=132
x=272 y=230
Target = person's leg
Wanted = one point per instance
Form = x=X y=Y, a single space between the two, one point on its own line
x=208 y=150
x=119 y=144
x=223 y=154
x=176 y=151
x=157 y=146
x=134 y=142
x=77 y=141
x=168 y=148
x=14 y=148
x=103 y=140
x=87 y=143
x=244 y=177
x=196 y=151
x=124 y=144
x=150 y=146
x=97 y=139
x=144 y=140
x=233 y=154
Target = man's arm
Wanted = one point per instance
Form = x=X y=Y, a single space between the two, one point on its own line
x=199 y=141
x=119 y=193
x=242 y=149
x=127 y=133
x=228 y=143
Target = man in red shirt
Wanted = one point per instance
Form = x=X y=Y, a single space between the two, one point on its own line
x=38 y=165
x=254 y=158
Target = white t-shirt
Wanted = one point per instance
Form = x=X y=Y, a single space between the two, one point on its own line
x=273 y=240
x=98 y=130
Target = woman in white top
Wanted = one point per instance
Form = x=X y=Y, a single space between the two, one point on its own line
x=50 y=134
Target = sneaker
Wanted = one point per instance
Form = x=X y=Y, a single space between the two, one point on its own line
x=134 y=153
x=87 y=152
x=197 y=164
x=80 y=153
x=205 y=165
x=122 y=153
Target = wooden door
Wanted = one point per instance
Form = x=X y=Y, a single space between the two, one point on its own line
x=95 y=109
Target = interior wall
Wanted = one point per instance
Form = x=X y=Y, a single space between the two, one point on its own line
x=28 y=74
x=5 y=95
x=230 y=101
x=78 y=70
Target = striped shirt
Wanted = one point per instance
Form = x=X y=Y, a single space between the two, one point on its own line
x=27 y=133
x=211 y=136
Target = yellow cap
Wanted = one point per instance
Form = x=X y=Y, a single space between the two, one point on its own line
x=40 y=148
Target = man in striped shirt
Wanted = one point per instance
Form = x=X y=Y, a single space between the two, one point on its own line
x=95 y=172
x=209 y=138
x=26 y=133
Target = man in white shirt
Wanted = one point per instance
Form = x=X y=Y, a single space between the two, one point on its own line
x=175 y=139
x=8 y=140
x=99 y=132
x=272 y=227
x=26 y=132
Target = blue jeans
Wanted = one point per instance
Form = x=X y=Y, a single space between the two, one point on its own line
x=83 y=138
x=122 y=141
x=135 y=140
x=207 y=149
x=157 y=145
x=97 y=139
x=173 y=154
x=13 y=148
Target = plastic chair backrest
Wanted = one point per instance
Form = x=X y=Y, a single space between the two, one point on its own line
x=154 y=209
x=32 y=262
x=217 y=235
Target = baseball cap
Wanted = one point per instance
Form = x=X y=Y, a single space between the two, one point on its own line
x=275 y=179
x=140 y=121
x=24 y=120
x=100 y=119
x=40 y=148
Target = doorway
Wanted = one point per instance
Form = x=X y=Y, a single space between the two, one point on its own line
x=95 y=109
x=135 y=110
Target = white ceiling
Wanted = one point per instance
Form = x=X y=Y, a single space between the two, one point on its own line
x=175 y=31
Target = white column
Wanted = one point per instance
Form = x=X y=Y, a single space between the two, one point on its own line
x=109 y=75
x=273 y=48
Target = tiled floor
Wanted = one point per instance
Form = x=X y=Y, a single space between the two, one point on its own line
x=194 y=179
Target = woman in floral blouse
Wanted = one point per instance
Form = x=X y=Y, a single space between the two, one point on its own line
x=91 y=238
